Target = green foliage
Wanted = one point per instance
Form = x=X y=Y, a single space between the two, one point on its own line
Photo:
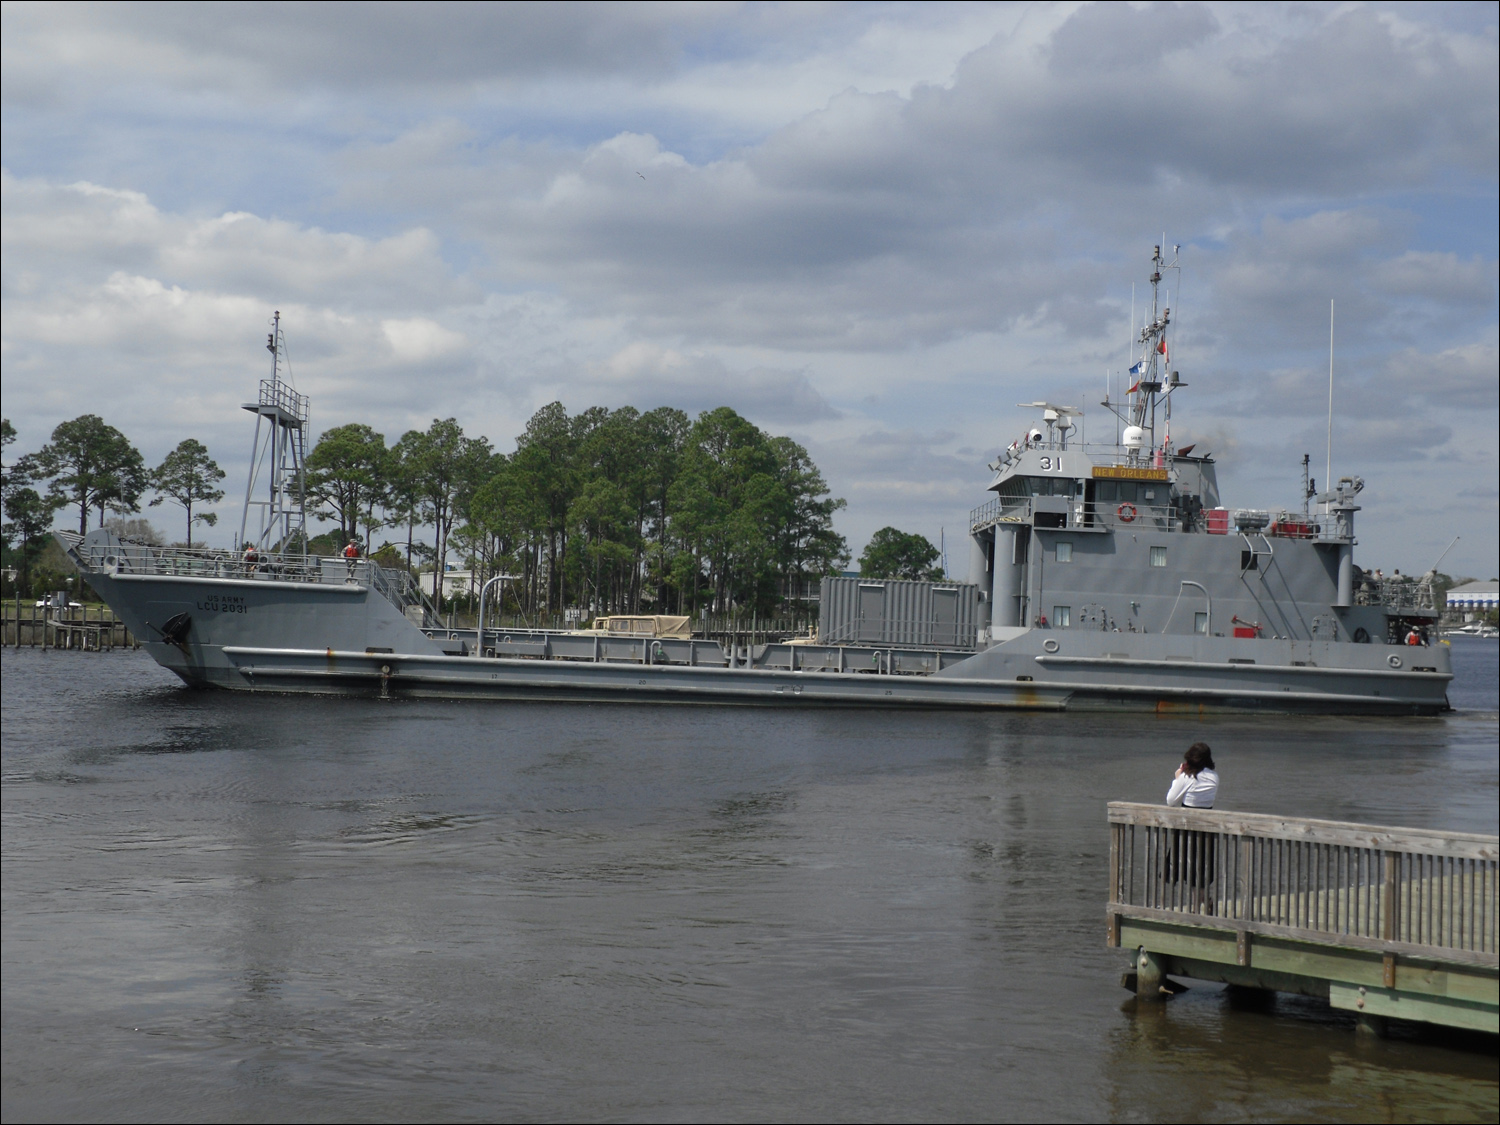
x=93 y=465
x=29 y=518
x=897 y=554
x=608 y=510
x=349 y=474
x=188 y=476
x=440 y=470
x=618 y=511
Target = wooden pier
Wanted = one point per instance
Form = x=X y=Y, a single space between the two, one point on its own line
x=82 y=628
x=1385 y=922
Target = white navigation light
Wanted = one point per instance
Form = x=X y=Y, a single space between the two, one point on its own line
x=1135 y=437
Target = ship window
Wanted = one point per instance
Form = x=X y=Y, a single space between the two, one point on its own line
x=1127 y=490
x=1200 y=623
x=1158 y=556
x=1013 y=489
x=1065 y=552
x=1062 y=616
x=1107 y=491
x=1248 y=561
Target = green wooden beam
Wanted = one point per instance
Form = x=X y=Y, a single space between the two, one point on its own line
x=1388 y=1003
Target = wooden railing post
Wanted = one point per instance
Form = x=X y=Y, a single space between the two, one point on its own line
x=1115 y=831
x=1246 y=882
x=1388 y=915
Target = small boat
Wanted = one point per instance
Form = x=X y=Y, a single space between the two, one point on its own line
x=1474 y=629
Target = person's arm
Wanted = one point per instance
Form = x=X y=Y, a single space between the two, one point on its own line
x=1179 y=788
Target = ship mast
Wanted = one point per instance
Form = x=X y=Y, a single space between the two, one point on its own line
x=277 y=456
x=1152 y=381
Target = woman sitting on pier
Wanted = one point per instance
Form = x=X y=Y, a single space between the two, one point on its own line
x=1196 y=783
x=1194 y=786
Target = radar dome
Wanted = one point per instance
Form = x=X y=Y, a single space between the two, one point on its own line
x=1135 y=437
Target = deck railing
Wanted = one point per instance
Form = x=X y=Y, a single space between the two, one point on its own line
x=121 y=557
x=1403 y=890
x=1075 y=513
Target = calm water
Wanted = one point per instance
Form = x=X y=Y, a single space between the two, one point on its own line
x=264 y=908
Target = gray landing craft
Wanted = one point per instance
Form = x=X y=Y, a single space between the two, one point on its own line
x=1111 y=577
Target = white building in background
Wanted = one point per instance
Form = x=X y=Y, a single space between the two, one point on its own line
x=456 y=583
x=1474 y=597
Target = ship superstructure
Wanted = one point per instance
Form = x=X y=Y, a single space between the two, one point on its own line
x=1132 y=537
x=1104 y=576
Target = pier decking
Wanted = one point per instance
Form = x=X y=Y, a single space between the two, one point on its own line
x=1385 y=922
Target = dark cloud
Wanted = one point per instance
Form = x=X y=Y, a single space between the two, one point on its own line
x=383 y=44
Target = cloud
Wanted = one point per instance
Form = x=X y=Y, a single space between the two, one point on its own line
x=78 y=228
x=876 y=228
x=646 y=373
x=355 y=45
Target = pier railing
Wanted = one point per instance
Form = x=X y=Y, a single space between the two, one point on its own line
x=1399 y=890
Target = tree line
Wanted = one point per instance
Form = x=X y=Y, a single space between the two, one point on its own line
x=90 y=464
x=609 y=510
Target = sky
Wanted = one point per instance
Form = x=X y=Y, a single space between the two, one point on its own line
x=874 y=227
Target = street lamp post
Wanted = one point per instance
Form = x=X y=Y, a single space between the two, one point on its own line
x=479 y=625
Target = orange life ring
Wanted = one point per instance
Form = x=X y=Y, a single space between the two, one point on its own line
x=1126 y=512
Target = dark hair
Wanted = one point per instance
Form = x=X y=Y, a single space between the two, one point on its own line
x=1198 y=757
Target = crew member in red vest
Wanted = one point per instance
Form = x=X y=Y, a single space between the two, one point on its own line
x=351 y=553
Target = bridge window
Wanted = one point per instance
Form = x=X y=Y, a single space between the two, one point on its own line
x=1158 y=556
x=1062 y=616
x=1065 y=552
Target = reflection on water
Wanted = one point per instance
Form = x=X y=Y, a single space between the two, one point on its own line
x=251 y=907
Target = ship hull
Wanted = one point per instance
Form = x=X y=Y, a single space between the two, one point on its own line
x=442 y=677
x=345 y=638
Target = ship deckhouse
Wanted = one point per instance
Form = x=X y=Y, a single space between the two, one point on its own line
x=1130 y=535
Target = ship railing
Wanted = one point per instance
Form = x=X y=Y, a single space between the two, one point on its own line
x=1074 y=512
x=125 y=557
x=1002 y=509
x=1408 y=890
x=1415 y=595
x=273 y=392
x=1127 y=514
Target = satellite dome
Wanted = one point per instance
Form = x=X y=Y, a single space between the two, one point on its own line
x=1135 y=437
